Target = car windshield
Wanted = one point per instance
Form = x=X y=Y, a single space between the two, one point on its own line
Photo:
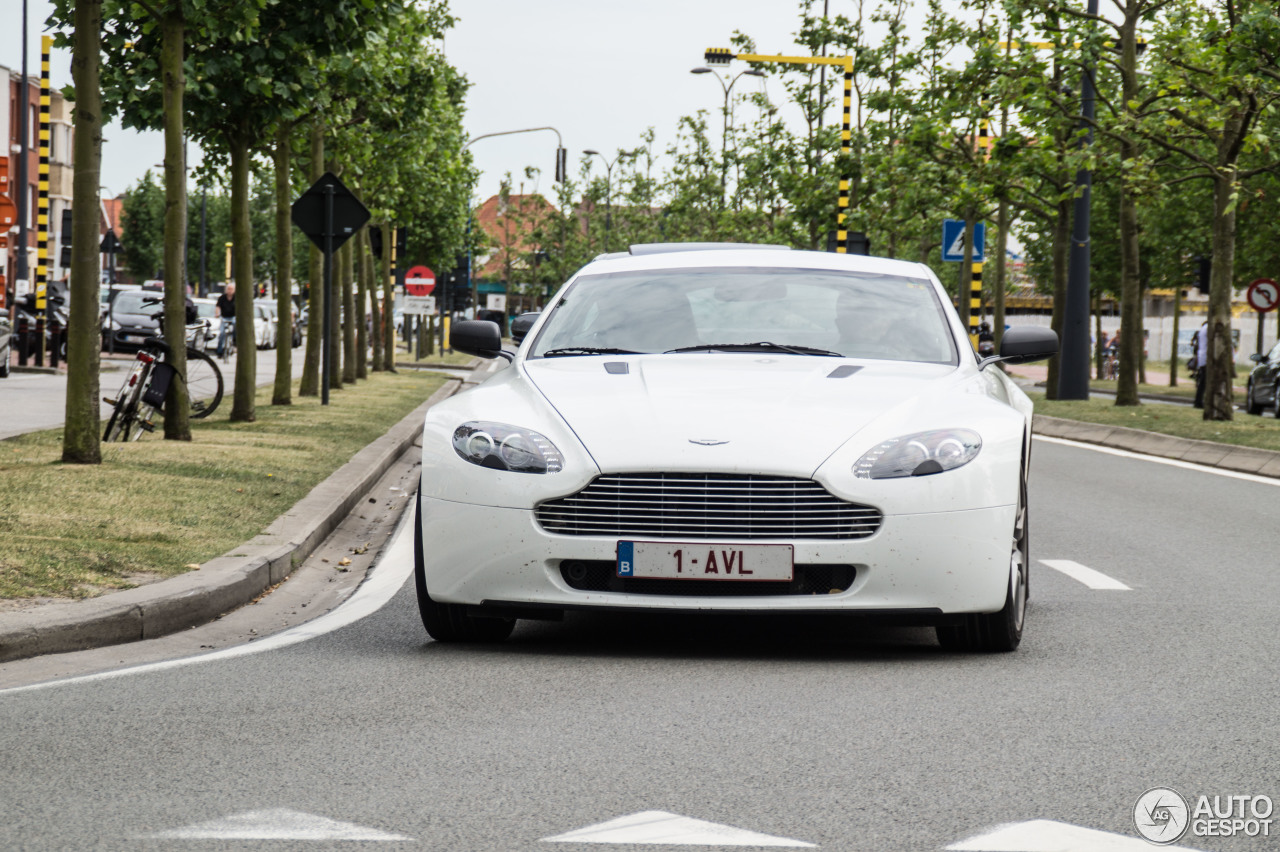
x=779 y=311
x=206 y=309
x=131 y=302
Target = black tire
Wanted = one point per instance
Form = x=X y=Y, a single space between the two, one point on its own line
x=4 y=362
x=204 y=384
x=1275 y=399
x=999 y=631
x=450 y=622
x=1250 y=406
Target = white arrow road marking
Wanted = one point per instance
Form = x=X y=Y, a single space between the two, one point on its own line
x=1046 y=835
x=276 y=824
x=1091 y=578
x=660 y=827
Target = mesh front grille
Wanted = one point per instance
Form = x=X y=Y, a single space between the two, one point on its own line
x=707 y=505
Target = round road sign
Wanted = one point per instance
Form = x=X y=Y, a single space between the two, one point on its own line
x=419 y=281
x=1263 y=295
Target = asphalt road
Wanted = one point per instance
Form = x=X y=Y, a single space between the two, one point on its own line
x=843 y=736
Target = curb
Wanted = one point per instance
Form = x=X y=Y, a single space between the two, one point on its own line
x=1208 y=453
x=223 y=583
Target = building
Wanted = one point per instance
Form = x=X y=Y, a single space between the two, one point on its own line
x=60 y=176
x=509 y=223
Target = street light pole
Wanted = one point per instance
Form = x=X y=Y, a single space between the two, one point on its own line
x=24 y=192
x=1073 y=370
x=724 y=137
x=608 y=186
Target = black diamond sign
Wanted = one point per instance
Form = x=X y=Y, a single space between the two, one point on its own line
x=349 y=215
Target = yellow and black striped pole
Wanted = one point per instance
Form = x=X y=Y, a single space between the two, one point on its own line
x=975 y=281
x=722 y=55
x=846 y=148
x=975 y=302
x=42 y=210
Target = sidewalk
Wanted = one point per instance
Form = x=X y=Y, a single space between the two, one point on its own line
x=1038 y=373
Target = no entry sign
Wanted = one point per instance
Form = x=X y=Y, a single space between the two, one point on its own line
x=419 y=281
x=1263 y=295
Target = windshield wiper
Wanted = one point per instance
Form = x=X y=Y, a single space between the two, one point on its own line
x=760 y=346
x=587 y=350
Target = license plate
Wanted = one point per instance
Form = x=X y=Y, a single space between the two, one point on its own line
x=134 y=338
x=703 y=561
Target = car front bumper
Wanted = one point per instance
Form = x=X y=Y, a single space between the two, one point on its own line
x=943 y=562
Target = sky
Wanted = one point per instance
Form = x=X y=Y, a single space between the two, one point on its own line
x=599 y=71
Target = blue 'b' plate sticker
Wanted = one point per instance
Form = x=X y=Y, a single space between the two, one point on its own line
x=626 y=559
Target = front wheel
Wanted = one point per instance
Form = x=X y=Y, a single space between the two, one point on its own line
x=204 y=383
x=450 y=622
x=1251 y=405
x=1275 y=398
x=998 y=631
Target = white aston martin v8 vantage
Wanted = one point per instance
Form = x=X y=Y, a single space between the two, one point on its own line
x=741 y=428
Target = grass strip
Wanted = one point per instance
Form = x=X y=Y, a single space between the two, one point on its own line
x=156 y=508
x=1181 y=421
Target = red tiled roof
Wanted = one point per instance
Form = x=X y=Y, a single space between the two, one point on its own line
x=509 y=226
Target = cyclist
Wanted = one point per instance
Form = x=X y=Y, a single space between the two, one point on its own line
x=226 y=309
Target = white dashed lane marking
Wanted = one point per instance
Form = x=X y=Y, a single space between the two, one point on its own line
x=1091 y=578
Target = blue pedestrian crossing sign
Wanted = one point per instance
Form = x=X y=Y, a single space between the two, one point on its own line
x=953 y=240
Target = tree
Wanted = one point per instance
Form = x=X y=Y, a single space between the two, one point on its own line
x=80 y=435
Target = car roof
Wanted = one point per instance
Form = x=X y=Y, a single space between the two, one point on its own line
x=753 y=256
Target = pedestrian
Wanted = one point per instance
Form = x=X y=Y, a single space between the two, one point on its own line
x=1200 y=351
x=226 y=309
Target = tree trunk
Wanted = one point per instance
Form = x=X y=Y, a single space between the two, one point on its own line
x=998 y=285
x=1130 y=292
x=243 y=409
x=310 y=385
x=282 y=393
x=177 y=409
x=336 y=321
x=348 y=314
x=388 y=301
x=361 y=250
x=372 y=266
x=80 y=436
x=1219 y=379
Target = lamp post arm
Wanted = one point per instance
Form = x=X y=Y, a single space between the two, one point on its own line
x=474 y=139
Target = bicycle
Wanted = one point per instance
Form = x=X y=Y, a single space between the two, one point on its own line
x=145 y=388
x=227 y=340
x=1110 y=365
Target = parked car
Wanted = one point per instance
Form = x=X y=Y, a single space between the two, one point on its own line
x=521 y=324
x=264 y=327
x=207 y=309
x=129 y=322
x=734 y=429
x=6 y=343
x=1264 y=382
x=293 y=330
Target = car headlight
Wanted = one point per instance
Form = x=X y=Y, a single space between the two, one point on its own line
x=919 y=455
x=503 y=447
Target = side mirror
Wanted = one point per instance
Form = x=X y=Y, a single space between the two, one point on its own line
x=1023 y=344
x=520 y=325
x=477 y=337
x=1257 y=357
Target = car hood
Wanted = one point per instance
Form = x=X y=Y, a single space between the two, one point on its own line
x=133 y=320
x=726 y=412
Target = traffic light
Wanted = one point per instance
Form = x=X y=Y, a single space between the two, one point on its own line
x=375 y=240
x=718 y=55
x=1206 y=273
x=66 y=227
x=402 y=242
x=562 y=168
